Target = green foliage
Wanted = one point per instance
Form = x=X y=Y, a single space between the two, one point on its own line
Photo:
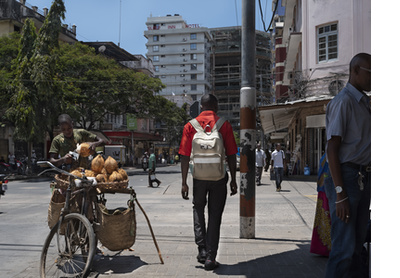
x=170 y=116
x=94 y=86
x=42 y=78
x=8 y=52
x=23 y=101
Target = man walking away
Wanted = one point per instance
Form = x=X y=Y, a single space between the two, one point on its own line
x=277 y=164
x=206 y=191
x=348 y=187
x=260 y=163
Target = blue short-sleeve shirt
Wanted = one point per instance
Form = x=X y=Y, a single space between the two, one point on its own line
x=348 y=115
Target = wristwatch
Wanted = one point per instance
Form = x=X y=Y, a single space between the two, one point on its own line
x=339 y=189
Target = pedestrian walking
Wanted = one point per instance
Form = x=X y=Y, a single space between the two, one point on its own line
x=209 y=186
x=260 y=163
x=277 y=165
x=348 y=187
x=152 y=169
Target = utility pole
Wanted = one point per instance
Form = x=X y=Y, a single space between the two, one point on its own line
x=248 y=122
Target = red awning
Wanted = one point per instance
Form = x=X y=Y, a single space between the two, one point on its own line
x=136 y=135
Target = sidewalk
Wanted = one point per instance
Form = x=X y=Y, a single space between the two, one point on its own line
x=284 y=223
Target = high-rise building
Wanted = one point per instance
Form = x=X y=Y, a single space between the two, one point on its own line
x=181 y=56
x=226 y=71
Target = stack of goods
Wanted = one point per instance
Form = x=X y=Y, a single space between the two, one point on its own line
x=106 y=172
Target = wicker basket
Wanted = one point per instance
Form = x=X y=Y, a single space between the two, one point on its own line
x=57 y=202
x=113 y=185
x=117 y=229
x=62 y=182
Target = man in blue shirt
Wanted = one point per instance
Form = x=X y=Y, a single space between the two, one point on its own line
x=348 y=188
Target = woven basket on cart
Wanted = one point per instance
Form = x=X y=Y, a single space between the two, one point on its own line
x=62 y=182
x=112 y=185
x=117 y=229
x=57 y=202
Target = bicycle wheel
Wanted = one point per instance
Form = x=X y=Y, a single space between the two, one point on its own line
x=69 y=248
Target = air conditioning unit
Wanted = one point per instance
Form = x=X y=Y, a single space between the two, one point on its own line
x=185 y=60
x=185 y=70
x=184 y=39
x=184 y=49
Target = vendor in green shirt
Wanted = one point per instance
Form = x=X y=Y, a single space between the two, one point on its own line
x=66 y=141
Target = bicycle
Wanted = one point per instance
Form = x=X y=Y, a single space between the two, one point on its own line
x=70 y=247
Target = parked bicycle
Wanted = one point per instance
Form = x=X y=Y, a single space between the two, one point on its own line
x=70 y=247
x=71 y=244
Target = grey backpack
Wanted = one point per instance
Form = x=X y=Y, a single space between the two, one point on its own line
x=207 y=159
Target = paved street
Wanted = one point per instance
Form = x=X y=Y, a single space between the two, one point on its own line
x=281 y=248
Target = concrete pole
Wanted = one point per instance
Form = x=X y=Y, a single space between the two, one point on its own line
x=248 y=132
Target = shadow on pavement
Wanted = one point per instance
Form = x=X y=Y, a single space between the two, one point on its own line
x=108 y=264
x=295 y=263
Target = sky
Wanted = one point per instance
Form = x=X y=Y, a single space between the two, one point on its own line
x=99 y=20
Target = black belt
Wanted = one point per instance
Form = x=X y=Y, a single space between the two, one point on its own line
x=366 y=168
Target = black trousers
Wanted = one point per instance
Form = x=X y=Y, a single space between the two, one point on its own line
x=215 y=193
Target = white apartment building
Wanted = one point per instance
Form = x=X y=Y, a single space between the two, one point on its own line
x=181 y=56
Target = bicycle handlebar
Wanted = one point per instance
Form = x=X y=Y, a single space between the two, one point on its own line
x=54 y=168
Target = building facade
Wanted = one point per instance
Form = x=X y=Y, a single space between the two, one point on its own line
x=226 y=71
x=319 y=44
x=181 y=56
x=280 y=91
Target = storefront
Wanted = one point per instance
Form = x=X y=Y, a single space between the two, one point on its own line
x=304 y=137
x=136 y=143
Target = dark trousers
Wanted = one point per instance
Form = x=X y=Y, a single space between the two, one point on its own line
x=345 y=258
x=278 y=176
x=259 y=171
x=216 y=192
x=151 y=172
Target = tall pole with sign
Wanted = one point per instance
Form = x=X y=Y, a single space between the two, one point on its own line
x=248 y=122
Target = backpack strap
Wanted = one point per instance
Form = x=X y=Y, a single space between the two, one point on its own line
x=196 y=125
x=218 y=124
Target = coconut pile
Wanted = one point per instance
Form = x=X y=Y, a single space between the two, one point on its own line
x=103 y=171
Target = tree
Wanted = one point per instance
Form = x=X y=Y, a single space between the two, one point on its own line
x=94 y=86
x=8 y=52
x=171 y=116
x=24 y=101
x=44 y=61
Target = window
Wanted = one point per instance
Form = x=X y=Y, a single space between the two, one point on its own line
x=156 y=68
x=193 y=36
x=156 y=58
x=155 y=38
x=327 y=39
x=193 y=66
x=155 y=48
x=193 y=46
x=193 y=56
x=193 y=76
x=193 y=87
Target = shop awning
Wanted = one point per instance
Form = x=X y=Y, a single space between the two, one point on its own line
x=135 y=135
x=277 y=117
